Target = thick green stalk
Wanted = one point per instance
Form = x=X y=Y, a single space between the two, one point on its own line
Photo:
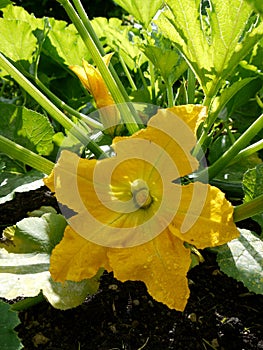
x=26 y=156
x=126 y=114
x=249 y=209
x=50 y=107
x=170 y=95
x=227 y=157
x=257 y=146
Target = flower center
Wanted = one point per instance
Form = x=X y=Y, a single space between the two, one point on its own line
x=141 y=194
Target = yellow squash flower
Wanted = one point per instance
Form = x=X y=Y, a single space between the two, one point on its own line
x=133 y=217
x=94 y=83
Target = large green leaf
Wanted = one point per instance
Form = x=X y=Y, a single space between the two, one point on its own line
x=253 y=187
x=242 y=259
x=8 y=321
x=143 y=11
x=19 y=13
x=27 y=128
x=15 y=178
x=213 y=42
x=17 y=41
x=119 y=38
x=24 y=263
x=64 y=44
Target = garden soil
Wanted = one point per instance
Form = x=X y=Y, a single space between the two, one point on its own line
x=221 y=313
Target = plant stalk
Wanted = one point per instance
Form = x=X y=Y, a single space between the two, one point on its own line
x=26 y=156
x=249 y=209
x=227 y=157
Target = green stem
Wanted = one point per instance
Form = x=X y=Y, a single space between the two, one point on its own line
x=170 y=95
x=127 y=73
x=127 y=116
x=257 y=146
x=227 y=157
x=26 y=156
x=152 y=75
x=190 y=86
x=144 y=83
x=249 y=209
x=59 y=103
x=50 y=107
x=26 y=303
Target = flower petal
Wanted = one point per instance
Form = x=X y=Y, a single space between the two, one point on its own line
x=204 y=217
x=192 y=115
x=174 y=135
x=162 y=264
x=97 y=87
x=75 y=258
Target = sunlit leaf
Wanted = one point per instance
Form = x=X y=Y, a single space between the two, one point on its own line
x=242 y=259
x=64 y=44
x=8 y=321
x=27 y=128
x=213 y=43
x=143 y=11
x=17 y=41
x=170 y=63
x=119 y=38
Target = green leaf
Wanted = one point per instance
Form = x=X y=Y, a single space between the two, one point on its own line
x=27 y=128
x=143 y=11
x=14 y=178
x=8 y=321
x=36 y=234
x=24 y=263
x=17 y=41
x=242 y=259
x=19 y=13
x=64 y=45
x=212 y=43
x=253 y=187
x=170 y=63
x=119 y=38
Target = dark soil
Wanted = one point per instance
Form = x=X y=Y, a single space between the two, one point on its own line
x=221 y=313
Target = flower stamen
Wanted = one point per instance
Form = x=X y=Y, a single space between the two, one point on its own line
x=141 y=194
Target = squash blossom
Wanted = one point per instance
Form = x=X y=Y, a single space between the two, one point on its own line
x=133 y=216
x=94 y=83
